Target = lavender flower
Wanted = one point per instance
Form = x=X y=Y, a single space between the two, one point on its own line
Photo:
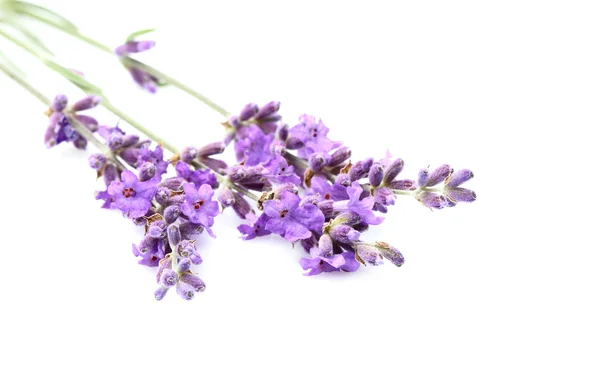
x=130 y=196
x=313 y=136
x=144 y=79
x=198 y=206
x=290 y=220
x=257 y=228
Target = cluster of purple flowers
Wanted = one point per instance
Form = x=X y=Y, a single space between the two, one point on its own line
x=173 y=210
x=60 y=128
x=304 y=187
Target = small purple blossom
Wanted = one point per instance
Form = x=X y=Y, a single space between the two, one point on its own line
x=197 y=177
x=130 y=196
x=256 y=228
x=340 y=262
x=253 y=146
x=362 y=207
x=290 y=220
x=199 y=207
x=313 y=135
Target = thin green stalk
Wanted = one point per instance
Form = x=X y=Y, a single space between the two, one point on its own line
x=123 y=116
x=128 y=61
x=32 y=90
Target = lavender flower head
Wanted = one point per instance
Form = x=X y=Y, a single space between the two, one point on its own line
x=143 y=78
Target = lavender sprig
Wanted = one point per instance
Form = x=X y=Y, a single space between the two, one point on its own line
x=315 y=196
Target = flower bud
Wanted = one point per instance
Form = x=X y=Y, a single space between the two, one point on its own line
x=174 y=184
x=188 y=154
x=176 y=200
x=402 y=185
x=194 y=281
x=169 y=278
x=311 y=199
x=241 y=205
x=147 y=243
x=326 y=207
x=157 y=229
x=293 y=143
x=423 y=177
x=211 y=149
x=369 y=254
x=439 y=175
x=390 y=253
x=134 y=47
x=339 y=156
x=146 y=171
x=89 y=102
x=347 y=218
x=234 y=122
x=185 y=248
x=325 y=246
x=115 y=141
x=385 y=196
x=183 y=265
x=171 y=213
x=392 y=170
x=459 y=177
x=174 y=235
x=59 y=103
x=226 y=197
x=90 y=122
x=80 y=143
x=283 y=132
x=360 y=169
x=317 y=161
x=110 y=173
x=97 y=161
x=432 y=200
x=249 y=111
x=185 y=291
x=162 y=195
x=461 y=195
x=164 y=264
x=195 y=258
x=130 y=140
x=376 y=174
x=344 y=234
x=267 y=110
x=189 y=229
x=160 y=292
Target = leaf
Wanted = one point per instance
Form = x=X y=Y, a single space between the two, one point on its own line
x=136 y=34
x=37 y=11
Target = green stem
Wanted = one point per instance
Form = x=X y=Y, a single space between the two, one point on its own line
x=128 y=61
x=174 y=82
x=32 y=90
x=123 y=116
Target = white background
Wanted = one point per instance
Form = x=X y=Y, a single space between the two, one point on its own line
x=498 y=295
